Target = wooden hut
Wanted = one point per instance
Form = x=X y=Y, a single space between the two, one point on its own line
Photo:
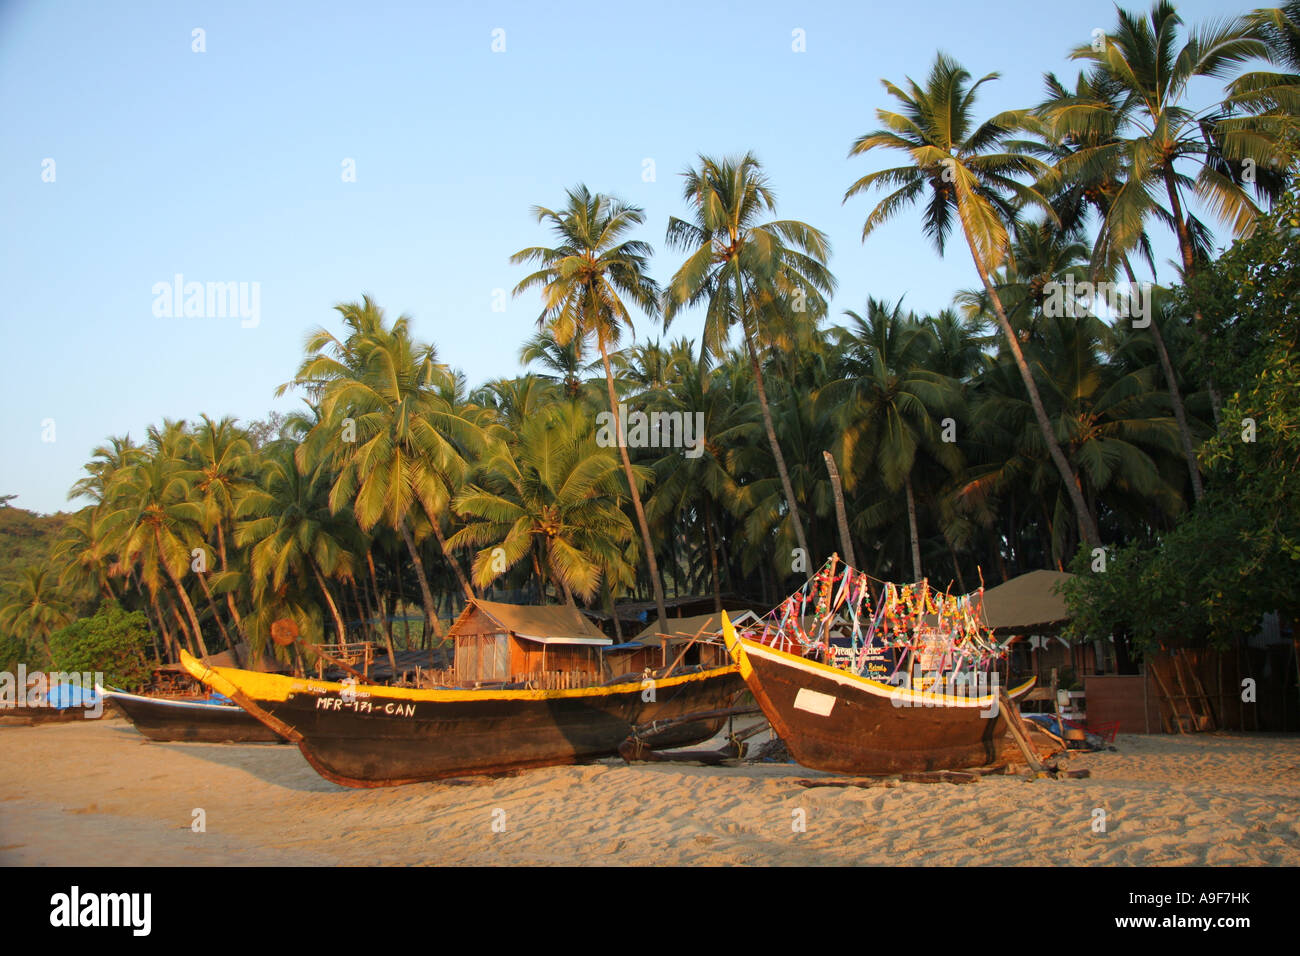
x=551 y=647
x=652 y=649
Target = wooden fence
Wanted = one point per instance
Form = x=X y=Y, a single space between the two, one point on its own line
x=1214 y=684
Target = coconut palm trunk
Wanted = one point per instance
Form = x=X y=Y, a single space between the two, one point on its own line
x=1087 y=527
x=841 y=516
x=334 y=608
x=230 y=598
x=380 y=609
x=169 y=645
x=652 y=566
x=768 y=426
x=430 y=611
x=180 y=590
x=451 y=559
x=212 y=606
x=1175 y=395
x=911 y=526
x=713 y=556
x=182 y=629
x=1188 y=253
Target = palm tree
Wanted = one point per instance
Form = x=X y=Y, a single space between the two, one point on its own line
x=34 y=607
x=551 y=496
x=223 y=456
x=969 y=171
x=562 y=363
x=888 y=403
x=1150 y=126
x=78 y=554
x=107 y=460
x=1280 y=29
x=1272 y=98
x=700 y=482
x=152 y=512
x=748 y=273
x=583 y=280
x=386 y=436
x=294 y=536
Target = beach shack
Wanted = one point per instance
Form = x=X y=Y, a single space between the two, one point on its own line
x=1170 y=690
x=695 y=639
x=546 y=647
x=1027 y=613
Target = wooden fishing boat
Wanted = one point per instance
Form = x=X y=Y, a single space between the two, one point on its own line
x=36 y=706
x=28 y=716
x=363 y=735
x=832 y=719
x=193 y=719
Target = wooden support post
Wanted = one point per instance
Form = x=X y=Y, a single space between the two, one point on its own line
x=1018 y=732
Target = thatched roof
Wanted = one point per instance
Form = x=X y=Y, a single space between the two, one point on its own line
x=683 y=628
x=1026 y=603
x=561 y=622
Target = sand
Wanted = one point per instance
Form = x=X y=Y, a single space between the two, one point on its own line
x=97 y=793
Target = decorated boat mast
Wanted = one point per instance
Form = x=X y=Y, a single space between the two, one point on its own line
x=913 y=621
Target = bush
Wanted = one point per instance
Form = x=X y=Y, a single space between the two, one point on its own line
x=13 y=652
x=1237 y=554
x=113 y=641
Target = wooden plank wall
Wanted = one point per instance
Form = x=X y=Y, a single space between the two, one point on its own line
x=529 y=657
x=1118 y=697
x=1276 y=707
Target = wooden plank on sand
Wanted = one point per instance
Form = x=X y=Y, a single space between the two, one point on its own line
x=1018 y=731
x=932 y=776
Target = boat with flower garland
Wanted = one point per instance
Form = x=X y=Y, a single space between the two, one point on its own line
x=909 y=684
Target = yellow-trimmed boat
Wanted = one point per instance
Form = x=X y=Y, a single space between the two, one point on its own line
x=372 y=736
x=834 y=720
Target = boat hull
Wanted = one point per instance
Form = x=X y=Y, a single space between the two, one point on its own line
x=45 y=715
x=191 y=721
x=369 y=736
x=835 y=721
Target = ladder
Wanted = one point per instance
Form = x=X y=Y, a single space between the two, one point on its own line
x=1189 y=709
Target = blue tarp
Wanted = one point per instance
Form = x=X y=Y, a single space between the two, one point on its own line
x=70 y=695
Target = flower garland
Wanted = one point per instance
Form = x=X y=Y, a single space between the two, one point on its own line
x=911 y=619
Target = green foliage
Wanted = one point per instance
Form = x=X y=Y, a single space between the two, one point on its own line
x=15 y=651
x=25 y=539
x=113 y=641
x=1237 y=555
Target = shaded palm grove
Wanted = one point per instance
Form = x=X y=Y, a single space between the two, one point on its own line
x=999 y=435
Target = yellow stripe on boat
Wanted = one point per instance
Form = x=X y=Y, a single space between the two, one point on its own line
x=276 y=687
x=735 y=648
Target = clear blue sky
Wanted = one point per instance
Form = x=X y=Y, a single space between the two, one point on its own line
x=226 y=166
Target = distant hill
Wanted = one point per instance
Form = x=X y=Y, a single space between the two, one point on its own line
x=25 y=538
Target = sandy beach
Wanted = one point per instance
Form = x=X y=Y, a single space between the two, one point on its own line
x=97 y=793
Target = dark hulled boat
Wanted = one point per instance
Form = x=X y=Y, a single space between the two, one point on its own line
x=373 y=736
x=837 y=721
x=195 y=720
x=44 y=715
